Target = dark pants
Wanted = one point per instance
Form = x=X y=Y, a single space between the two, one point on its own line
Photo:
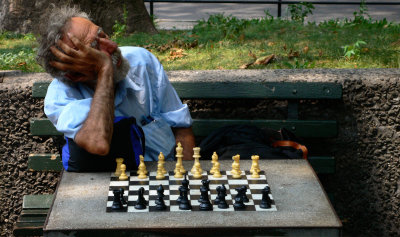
x=127 y=142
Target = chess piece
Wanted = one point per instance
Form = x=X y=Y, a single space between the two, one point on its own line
x=142 y=169
x=243 y=192
x=254 y=164
x=123 y=201
x=254 y=174
x=222 y=204
x=179 y=157
x=239 y=205
x=217 y=173
x=160 y=204
x=185 y=183
x=179 y=170
x=117 y=205
x=160 y=173
x=266 y=200
x=123 y=175
x=161 y=158
x=205 y=204
x=196 y=165
x=206 y=184
x=214 y=159
x=141 y=202
x=184 y=203
x=197 y=173
x=118 y=168
x=236 y=172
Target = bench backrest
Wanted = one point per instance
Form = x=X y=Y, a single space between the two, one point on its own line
x=293 y=92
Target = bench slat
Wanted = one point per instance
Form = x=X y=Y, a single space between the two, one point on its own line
x=241 y=90
x=203 y=127
x=42 y=201
x=28 y=229
x=44 y=162
x=34 y=212
x=32 y=219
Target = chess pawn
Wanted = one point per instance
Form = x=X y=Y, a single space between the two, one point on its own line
x=217 y=173
x=197 y=172
x=160 y=173
x=161 y=158
x=178 y=173
x=214 y=158
x=123 y=175
x=118 y=168
x=141 y=158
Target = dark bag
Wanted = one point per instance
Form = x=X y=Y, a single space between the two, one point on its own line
x=127 y=142
x=247 y=140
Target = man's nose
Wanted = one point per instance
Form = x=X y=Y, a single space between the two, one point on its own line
x=107 y=46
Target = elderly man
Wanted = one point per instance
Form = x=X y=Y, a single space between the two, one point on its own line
x=104 y=97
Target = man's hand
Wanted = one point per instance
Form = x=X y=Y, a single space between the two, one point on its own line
x=186 y=138
x=82 y=60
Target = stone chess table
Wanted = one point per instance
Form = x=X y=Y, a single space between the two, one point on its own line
x=303 y=209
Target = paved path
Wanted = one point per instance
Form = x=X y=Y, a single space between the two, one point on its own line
x=184 y=15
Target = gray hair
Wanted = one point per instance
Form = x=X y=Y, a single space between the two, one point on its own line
x=54 y=25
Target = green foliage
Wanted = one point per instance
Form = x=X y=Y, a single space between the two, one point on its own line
x=226 y=42
x=221 y=27
x=300 y=11
x=353 y=50
x=360 y=16
x=119 y=28
x=299 y=65
x=22 y=60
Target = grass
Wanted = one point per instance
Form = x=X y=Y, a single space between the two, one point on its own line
x=225 y=42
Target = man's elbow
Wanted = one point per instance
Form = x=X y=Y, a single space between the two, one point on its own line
x=94 y=146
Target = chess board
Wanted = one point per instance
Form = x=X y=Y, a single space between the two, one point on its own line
x=171 y=191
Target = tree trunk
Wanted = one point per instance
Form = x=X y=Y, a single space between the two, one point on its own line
x=106 y=12
x=22 y=15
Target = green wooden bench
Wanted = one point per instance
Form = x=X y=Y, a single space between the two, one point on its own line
x=34 y=212
x=293 y=92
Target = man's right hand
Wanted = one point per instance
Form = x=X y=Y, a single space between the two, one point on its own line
x=82 y=62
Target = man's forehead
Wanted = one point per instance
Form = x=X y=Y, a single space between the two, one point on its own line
x=83 y=29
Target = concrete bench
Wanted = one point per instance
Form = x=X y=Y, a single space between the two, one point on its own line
x=292 y=92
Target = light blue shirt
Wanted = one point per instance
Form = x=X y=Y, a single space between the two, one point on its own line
x=146 y=91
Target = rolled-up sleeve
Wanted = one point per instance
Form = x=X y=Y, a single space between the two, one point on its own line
x=172 y=110
x=65 y=108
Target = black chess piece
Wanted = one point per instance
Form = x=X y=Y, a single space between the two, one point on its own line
x=222 y=204
x=239 y=205
x=245 y=199
x=123 y=201
x=117 y=204
x=185 y=183
x=141 y=202
x=266 y=200
x=184 y=204
x=206 y=185
x=205 y=204
x=160 y=204
x=217 y=199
